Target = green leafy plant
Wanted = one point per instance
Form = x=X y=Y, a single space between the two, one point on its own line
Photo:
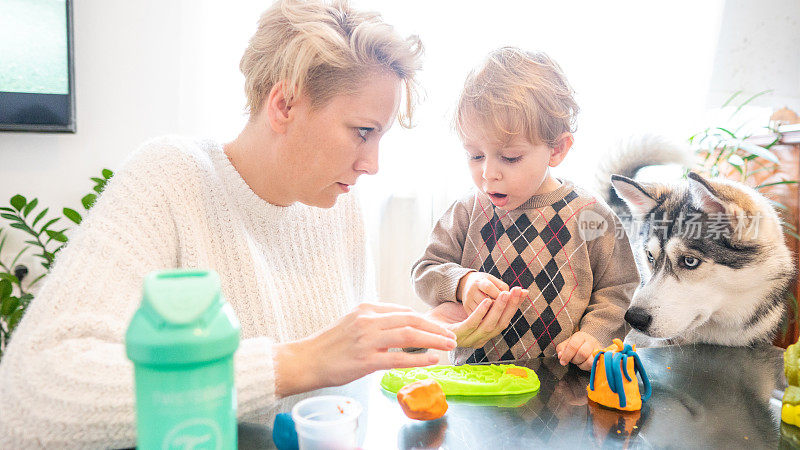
x=725 y=151
x=45 y=238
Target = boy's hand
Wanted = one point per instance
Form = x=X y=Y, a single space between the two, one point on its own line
x=578 y=350
x=488 y=320
x=476 y=286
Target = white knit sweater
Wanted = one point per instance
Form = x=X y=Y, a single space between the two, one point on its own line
x=287 y=271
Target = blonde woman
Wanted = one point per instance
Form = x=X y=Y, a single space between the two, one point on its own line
x=269 y=211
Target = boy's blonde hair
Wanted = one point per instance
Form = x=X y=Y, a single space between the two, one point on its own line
x=323 y=50
x=514 y=92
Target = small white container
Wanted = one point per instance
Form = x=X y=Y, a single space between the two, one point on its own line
x=327 y=422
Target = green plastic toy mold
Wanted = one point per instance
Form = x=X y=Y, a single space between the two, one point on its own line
x=467 y=380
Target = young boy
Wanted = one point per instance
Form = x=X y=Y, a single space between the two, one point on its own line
x=526 y=238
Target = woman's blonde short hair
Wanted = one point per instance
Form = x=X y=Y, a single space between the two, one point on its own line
x=514 y=92
x=325 y=49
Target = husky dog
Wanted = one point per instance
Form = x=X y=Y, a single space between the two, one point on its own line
x=711 y=254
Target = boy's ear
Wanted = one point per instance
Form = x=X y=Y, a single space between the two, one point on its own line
x=277 y=108
x=559 y=152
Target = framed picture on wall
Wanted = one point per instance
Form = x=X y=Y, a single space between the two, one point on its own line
x=37 y=83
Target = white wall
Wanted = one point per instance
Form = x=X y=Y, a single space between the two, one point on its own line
x=758 y=49
x=127 y=74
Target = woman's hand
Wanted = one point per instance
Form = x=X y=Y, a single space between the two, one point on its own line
x=489 y=318
x=356 y=345
x=578 y=349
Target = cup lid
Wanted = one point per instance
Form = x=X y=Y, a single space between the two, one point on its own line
x=180 y=297
x=183 y=319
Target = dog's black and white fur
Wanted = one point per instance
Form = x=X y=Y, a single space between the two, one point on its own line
x=711 y=254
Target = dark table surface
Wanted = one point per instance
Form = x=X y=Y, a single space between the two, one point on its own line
x=703 y=397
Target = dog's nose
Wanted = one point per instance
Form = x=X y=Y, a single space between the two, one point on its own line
x=638 y=318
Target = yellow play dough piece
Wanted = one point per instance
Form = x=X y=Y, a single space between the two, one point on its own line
x=518 y=371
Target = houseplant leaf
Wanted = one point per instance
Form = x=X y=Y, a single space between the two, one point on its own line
x=757 y=150
x=14 y=319
x=7 y=276
x=88 y=200
x=18 y=202
x=47 y=225
x=5 y=289
x=23 y=227
x=730 y=99
x=29 y=207
x=12 y=217
x=57 y=236
x=760 y=186
x=735 y=160
x=40 y=216
x=792 y=234
x=16 y=258
x=728 y=132
x=73 y=215
x=753 y=97
x=10 y=305
x=25 y=299
x=35 y=280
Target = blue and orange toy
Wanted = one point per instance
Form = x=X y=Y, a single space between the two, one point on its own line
x=615 y=385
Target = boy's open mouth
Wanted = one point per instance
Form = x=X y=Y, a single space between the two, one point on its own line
x=498 y=199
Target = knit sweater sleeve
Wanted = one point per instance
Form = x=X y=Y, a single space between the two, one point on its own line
x=437 y=273
x=615 y=277
x=66 y=381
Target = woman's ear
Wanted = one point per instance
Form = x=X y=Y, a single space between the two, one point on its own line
x=559 y=152
x=277 y=108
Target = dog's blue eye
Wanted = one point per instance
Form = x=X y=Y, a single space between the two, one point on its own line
x=690 y=262
x=650 y=257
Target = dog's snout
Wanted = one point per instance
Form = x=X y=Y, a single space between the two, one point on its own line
x=638 y=318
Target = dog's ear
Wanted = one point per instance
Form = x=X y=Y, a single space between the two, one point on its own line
x=635 y=195
x=704 y=196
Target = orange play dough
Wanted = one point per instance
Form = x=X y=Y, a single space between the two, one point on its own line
x=603 y=395
x=517 y=371
x=602 y=392
x=423 y=400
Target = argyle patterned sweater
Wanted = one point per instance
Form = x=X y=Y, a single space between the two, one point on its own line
x=566 y=247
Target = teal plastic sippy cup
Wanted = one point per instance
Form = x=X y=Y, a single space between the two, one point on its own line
x=181 y=341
